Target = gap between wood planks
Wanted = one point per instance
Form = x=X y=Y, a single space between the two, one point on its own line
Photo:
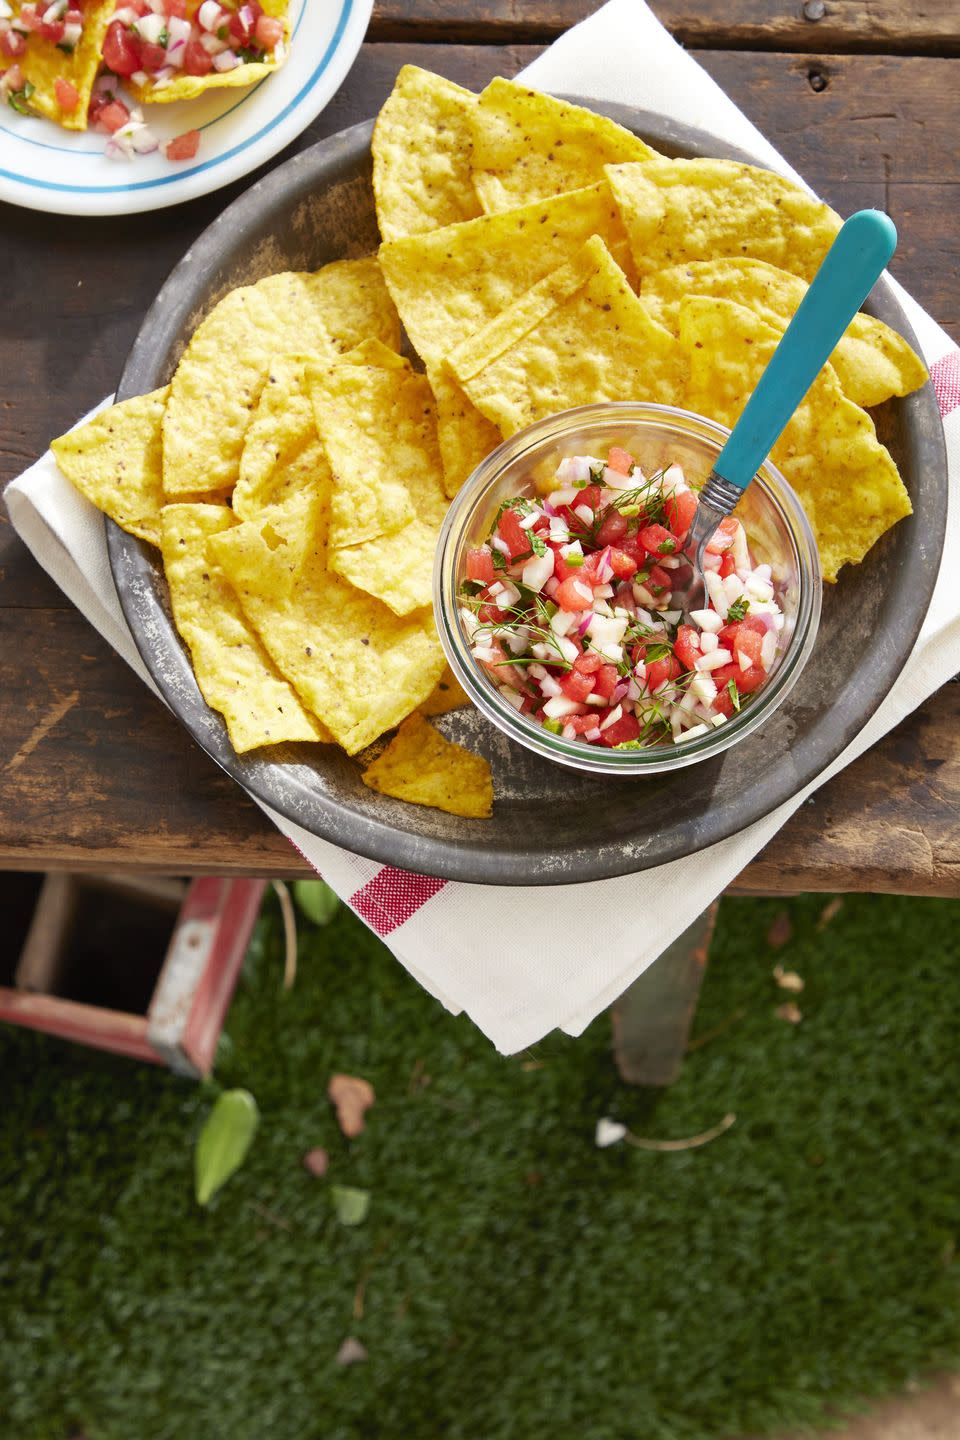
x=876 y=27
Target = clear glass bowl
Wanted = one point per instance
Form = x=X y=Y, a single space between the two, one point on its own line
x=656 y=435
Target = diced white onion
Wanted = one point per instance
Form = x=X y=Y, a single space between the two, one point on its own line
x=549 y=686
x=703 y=688
x=209 y=15
x=559 y=706
x=768 y=649
x=708 y=642
x=714 y=660
x=759 y=589
x=585 y=513
x=708 y=620
x=745 y=661
x=150 y=27
x=512 y=697
x=225 y=61
x=692 y=733
x=717 y=593
x=538 y=570
x=528 y=521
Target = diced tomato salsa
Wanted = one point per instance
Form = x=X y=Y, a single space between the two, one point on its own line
x=568 y=608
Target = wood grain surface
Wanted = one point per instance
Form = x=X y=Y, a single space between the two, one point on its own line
x=842 y=26
x=96 y=774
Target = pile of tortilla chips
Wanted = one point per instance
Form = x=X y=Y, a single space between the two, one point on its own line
x=44 y=62
x=290 y=475
x=542 y=257
x=296 y=470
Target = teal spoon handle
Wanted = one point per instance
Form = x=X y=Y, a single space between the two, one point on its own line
x=853 y=264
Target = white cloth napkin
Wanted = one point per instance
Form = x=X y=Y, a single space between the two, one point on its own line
x=522 y=962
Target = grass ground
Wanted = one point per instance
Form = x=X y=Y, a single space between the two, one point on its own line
x=512 y=1281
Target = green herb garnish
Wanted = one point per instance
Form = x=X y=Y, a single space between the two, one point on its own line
x=738 y=609
x=17 y=99
x=734 y=694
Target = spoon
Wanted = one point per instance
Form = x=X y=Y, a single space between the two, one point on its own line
x=850 y=268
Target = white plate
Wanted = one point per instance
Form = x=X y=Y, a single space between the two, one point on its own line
x=46 y=168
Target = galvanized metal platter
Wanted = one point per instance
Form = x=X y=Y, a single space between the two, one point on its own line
x=549 y=825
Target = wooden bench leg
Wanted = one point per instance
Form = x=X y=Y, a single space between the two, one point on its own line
x=651 y=1020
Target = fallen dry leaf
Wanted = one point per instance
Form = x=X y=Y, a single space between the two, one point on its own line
x=316 y=1161
x=351 y=1097
x=789 y=1012
x=351 y=1352
x=788 y=979
x=830 y=911
x=781 y=931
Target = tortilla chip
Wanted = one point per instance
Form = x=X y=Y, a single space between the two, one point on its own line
x=466 y=437
x=423 y=768
x=449 y=283
x=873 y=363
x=829 y=452
x=379 y=430
x=188 y=87
x=232 y=669
x=217 y=384
x=449 y=695
x=422 y=152
x=282 y=454
x=378 y=427
x=575 y=338
x=44 y=63
x=357 y=666
x=527 y=146
x=676 y=211
x=116 y=461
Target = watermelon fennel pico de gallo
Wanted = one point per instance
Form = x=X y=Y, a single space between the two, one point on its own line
x=567 y=607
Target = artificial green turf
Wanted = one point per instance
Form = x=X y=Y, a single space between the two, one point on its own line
x=519 y=1283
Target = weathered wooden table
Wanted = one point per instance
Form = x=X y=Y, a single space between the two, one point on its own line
x=859 y=94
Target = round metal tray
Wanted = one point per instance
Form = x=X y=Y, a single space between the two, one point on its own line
x=549 y=826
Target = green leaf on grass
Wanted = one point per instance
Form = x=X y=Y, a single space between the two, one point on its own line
x=352 y=1206
x=317 y=901
x=224 y=1141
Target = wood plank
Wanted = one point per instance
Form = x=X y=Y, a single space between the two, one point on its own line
x=117 y=784
x=931 y=27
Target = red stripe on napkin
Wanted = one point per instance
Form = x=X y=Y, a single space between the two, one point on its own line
x=945 y=375
x=392 y=896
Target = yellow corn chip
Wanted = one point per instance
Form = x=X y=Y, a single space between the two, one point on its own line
x=232 y=669
x=466 y=437
x=681 y=210
x=218 y=381
x=449 y=695
x=282 y=454
x=527 y=146
x=423 y=768
x=44 y=63
x=358 y=666
x=188 y=87
x=829 y=452
x=579 y=336
x=116 y=461
x=872 y=361
x=449 y=283
x=382 y=438
x=379 y=429
x=422 y=152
